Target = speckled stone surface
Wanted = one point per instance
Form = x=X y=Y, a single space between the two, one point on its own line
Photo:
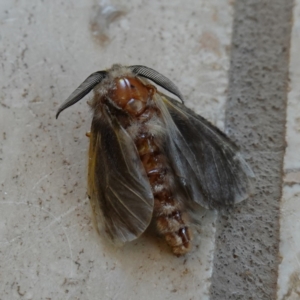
x=216 y=52
x=49 y=248
x=289 y=268
x=247 y=238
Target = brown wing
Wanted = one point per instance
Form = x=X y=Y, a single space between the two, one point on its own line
x=119 y=189
x=209 y=167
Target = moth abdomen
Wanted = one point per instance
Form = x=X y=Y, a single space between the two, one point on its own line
x=171 y=221
x=168 y=212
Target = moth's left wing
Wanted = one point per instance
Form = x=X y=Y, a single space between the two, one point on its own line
x=209 y=167
x=119 y=189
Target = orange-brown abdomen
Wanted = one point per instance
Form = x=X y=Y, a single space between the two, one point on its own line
x=170 y=220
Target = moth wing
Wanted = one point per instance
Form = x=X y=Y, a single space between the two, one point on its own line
x=119 y=189
x=208 y=165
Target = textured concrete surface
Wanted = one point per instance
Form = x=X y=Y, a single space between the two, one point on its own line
x=289 y=268
x=246 y=255
x=48 y=246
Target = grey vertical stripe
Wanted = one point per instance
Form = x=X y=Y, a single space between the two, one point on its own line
x=246 y=256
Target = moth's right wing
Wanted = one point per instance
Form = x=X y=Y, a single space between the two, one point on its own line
x=119 y=190
x=208 y=165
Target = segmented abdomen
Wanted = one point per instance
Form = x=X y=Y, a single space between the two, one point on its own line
x=168 y=212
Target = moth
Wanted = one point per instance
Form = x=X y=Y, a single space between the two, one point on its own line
x=152 y=159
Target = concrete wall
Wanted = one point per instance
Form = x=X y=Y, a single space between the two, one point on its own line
x=232 y=61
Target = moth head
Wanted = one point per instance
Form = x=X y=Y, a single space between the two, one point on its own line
x=137 y=70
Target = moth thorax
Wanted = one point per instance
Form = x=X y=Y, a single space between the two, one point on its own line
x=131 y=94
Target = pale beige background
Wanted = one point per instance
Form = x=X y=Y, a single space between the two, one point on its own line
x=48 y=246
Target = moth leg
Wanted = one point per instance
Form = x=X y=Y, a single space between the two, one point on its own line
x=89 y=103
x=88 y=134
